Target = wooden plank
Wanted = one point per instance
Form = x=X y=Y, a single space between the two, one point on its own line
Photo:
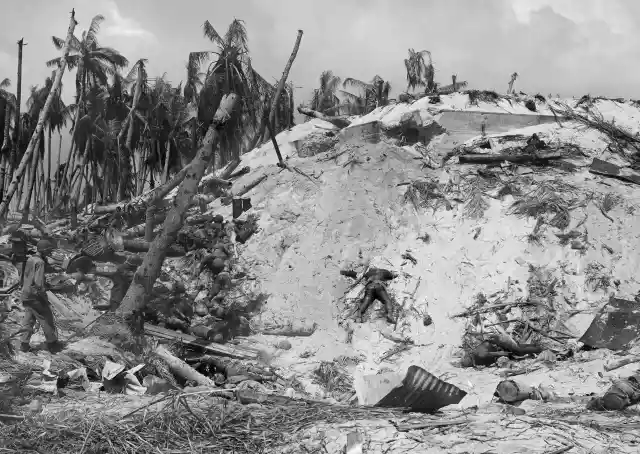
x=607 y=169
x=214 y=349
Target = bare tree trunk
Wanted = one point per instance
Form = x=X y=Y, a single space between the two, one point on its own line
x=146 y=275
x=43 y=114
x=30 y=182
x=6 y=149
x=276 y=97
x=16 y=128
x=76 y=193
x=48 y=185
x=59 y=159
x=167 y=157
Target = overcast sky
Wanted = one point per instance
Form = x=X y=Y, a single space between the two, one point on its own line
x=570 y=47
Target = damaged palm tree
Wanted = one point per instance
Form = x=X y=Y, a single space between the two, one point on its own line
x=41 y=120
x=130 y=311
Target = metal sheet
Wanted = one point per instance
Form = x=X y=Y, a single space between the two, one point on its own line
x=422 y=391
x=617 y=324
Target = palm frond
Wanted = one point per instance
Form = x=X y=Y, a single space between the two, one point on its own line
x=90 y=37
x=5 y=83
x=211 y=33
x=357 y=83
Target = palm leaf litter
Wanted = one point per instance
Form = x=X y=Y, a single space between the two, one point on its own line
x=180 y=423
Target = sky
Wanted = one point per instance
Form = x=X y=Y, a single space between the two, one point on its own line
x=566 y=47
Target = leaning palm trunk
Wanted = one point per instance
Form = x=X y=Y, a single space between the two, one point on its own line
x=165 y=172
x=276 y=98
x=39 y=127
x=6 y=148
x=47 y=187
x=33 y=175
x=146 y=275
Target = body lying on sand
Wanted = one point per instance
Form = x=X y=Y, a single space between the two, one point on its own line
x=375 y=289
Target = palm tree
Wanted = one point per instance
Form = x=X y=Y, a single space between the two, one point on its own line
x=419 y=73
x=375 y=94
x=94 y=64
x=324 y=98
x=514 y=76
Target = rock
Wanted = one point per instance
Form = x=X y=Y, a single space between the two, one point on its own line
x=284 y=345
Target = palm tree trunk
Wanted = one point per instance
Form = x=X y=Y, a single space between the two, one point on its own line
x=16 y=128
x=6 y=147
x=30 y=183
x=48 y=184
x=59 y=158
x=276 y=98
x=167 y=157
x=40 y=125
x=146 y=275
x=76 y=183
x=283 y=80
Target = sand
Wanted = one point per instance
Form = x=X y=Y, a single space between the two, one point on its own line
x=348 y=213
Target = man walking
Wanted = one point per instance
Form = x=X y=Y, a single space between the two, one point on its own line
x=35 y=301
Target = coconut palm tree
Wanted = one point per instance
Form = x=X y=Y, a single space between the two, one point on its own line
x=514 y=76
x=229 y=70
x=9 y=106
x=374 y=94
x=324 y=98
x=94 y=63
x=419 y=73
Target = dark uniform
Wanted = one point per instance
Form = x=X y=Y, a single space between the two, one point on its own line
x=375 y=289
x=35 y=301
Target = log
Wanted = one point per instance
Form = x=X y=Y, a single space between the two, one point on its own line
x=213 y=181
x=158 y=193
x=246 y=396
x=250 y=186
x=182 y=369
x=511 y=391
x=339 y=121
x=289 y=331
x=239 y=173
x=214 y=349
x=621 y=363
x=228 y=170
x=541 y=159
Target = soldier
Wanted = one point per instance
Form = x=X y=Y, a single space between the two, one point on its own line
x=35 y=301
x=375 y=289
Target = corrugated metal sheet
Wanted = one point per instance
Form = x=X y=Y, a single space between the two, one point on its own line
x=617 y=324
x=422 y=391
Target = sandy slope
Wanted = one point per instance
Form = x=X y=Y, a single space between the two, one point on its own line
x=345 y=213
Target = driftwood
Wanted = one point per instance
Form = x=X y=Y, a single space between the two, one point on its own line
x=215 y=349
x=182 y=369
x=429 y=424
x=339 y=121
x=519 y=159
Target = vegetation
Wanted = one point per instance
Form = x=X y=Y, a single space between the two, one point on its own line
x=131 y=131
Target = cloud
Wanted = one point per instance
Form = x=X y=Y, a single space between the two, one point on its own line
x=119 y=26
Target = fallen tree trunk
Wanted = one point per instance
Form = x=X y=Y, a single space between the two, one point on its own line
x=243 y=171
x=518 y=159
x=182 y=369
x=214 y=349
x=339 y=121
x=158 y=193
